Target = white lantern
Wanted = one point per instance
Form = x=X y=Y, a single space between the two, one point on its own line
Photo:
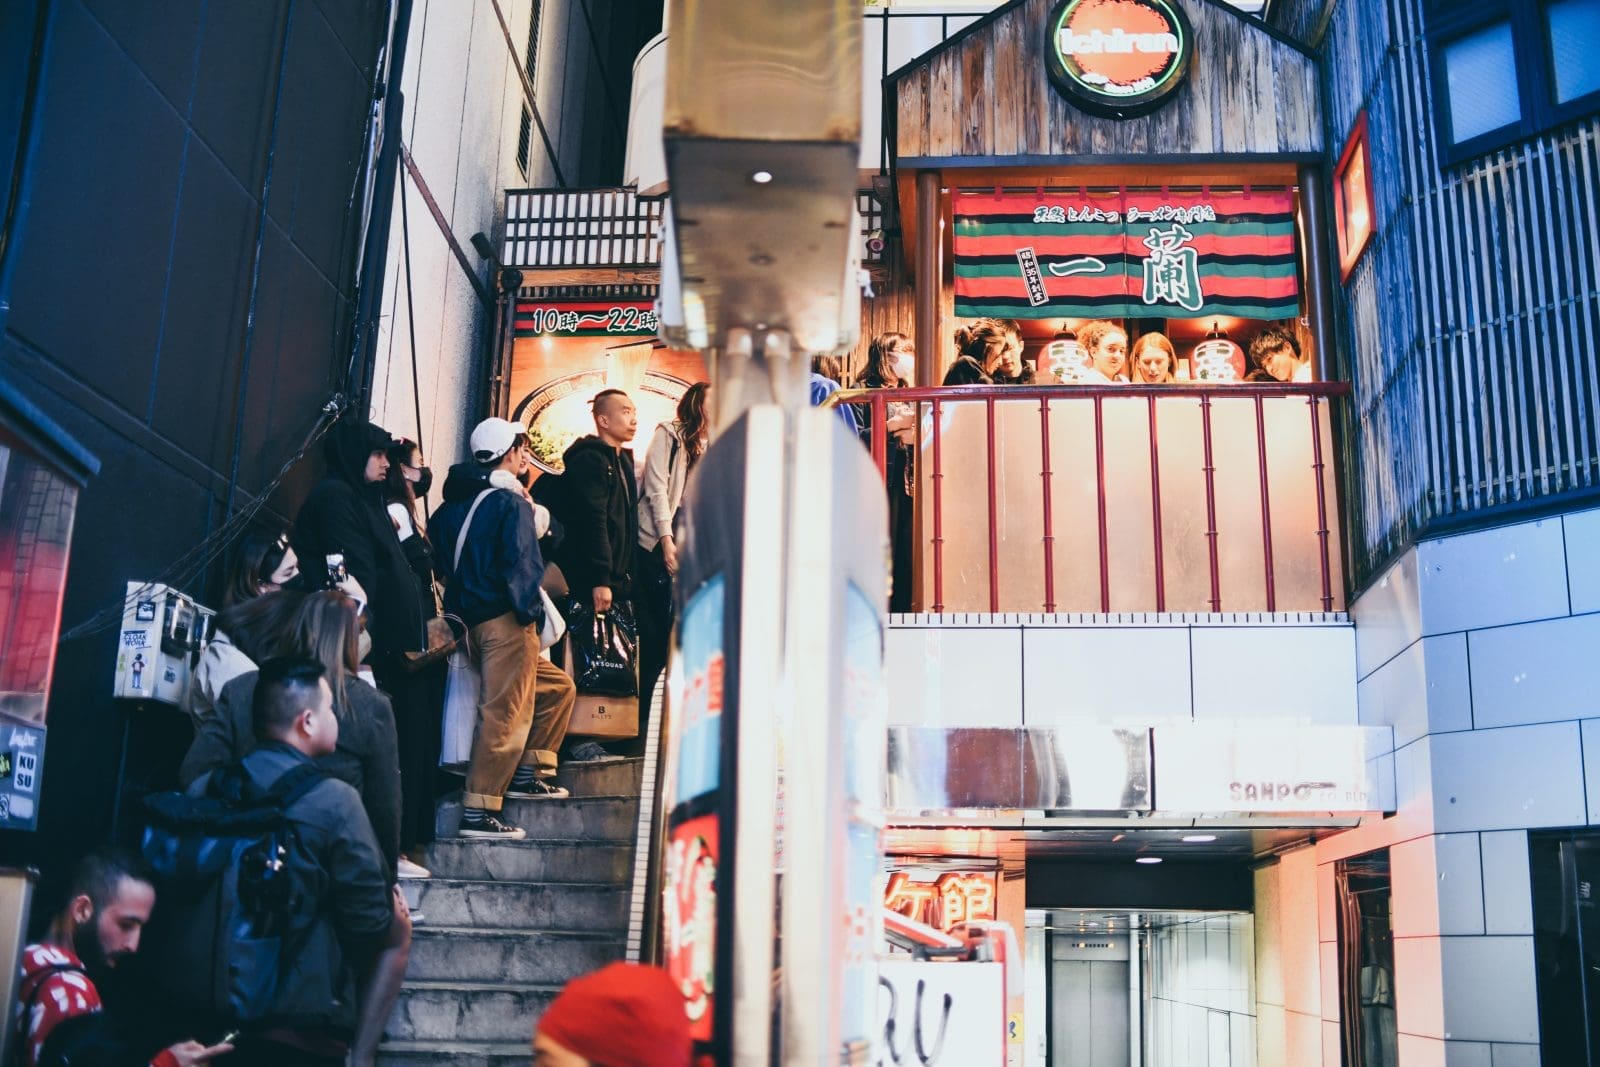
x=1216 y=359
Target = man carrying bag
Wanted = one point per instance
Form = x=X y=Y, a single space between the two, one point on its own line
x=492 y=583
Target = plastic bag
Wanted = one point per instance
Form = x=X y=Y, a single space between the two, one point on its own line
x=461 y=693
x=603 y=649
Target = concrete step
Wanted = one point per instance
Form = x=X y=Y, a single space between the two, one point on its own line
x=472 y=954
x=613 y=778
x=469 y=1011
x=456 y=1053
x=603 y=818
x=531 y=861
x=489 y=905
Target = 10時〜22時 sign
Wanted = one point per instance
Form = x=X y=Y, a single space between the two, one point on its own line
x=1118 y=58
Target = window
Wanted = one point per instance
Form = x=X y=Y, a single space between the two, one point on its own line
x=1504 y=70
x=529 y=64
x=1352 y=198
x=1368 y=1024
x=1565 y=868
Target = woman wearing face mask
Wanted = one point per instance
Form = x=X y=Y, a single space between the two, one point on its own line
x=418 y=697
x=891 y=364
x=1153 y=360
x=1105 y=347
x=989 y=352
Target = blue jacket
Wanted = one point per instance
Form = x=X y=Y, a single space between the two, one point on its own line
x=821 y=389
x=501 y=566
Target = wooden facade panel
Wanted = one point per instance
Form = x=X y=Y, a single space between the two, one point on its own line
x=988 y=95
x=975 y=100
x=911 y=127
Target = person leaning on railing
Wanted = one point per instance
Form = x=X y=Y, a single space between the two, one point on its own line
x=1153 y=360
x=1105 y=351
x=989 y=352
x=1275 y=357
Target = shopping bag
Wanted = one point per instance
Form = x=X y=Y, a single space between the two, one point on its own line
x=602 y=650
x=599 y=716
x=461 y=692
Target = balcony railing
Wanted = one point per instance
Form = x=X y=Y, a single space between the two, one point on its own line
x=1120 y=498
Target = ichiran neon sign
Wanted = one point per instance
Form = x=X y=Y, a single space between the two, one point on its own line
x=1118 y=58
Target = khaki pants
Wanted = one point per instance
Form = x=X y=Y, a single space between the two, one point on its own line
x=523 y=710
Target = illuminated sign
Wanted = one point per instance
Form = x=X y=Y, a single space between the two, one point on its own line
x=944 y=903
x=1118 y=57
x=690 y=918
x=587 y=318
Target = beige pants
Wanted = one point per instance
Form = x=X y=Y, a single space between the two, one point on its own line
x=523 y=710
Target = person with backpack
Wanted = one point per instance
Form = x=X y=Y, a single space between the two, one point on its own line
x=60 y=1017
x=488 y=532
x=283 y=894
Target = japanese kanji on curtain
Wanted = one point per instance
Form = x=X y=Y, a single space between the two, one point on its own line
x=1113 y=254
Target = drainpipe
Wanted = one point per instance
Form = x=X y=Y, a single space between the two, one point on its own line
x=374 y=251
x=1315 y=223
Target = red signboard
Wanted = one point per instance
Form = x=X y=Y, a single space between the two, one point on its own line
x=690 y=907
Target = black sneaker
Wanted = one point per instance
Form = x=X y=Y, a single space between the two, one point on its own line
x=592 y=752
x=538 y=789
x=478 y=822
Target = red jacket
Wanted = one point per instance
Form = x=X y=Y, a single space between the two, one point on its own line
x=56 y=988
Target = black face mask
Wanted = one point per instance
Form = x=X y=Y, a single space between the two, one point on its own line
x=424 y=481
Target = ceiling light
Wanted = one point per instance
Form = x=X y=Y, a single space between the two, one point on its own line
x=761 y=177
x=1199 y=839
x=1148 y=859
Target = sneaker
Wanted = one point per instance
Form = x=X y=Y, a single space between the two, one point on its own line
x=538 y=789
x=408 y=869
x=591 y=752
x=476 y=822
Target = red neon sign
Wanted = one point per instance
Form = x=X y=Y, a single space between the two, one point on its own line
x=946 y=902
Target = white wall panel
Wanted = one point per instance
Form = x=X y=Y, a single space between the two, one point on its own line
x=1493 y=577
x=1490 y=992
x=1388 y=615
x=1536 y=672
x=1120 y=674
x=1424 y=689
x=1502 y=779
x=1583 y=559
x=955 y=677
x=1294 y=673
x=1507 y=890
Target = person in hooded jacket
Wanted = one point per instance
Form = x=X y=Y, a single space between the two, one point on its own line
x=488 y=535
x=602 y=505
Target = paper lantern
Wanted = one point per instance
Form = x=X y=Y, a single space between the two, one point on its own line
x=1066 y=358
x=1217 y=359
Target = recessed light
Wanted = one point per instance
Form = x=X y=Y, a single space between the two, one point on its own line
x=761 y=177
x=1199 y=839
x=1148 y=859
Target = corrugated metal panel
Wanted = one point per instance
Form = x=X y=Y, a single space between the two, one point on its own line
x=1469 y=325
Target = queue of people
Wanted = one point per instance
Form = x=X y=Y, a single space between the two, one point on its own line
x=319 y=700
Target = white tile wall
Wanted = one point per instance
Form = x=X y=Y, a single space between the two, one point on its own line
x=1519 y=776
x=1388 y=615
x=1459 y=883
x=1287 y=673
x=1490 y=992
x=1536 y=672
x=1493 y=577
x=1417 y=985
x=1591 y=766
x=1583 y=559
x=1114 y=674
x=955 y=677
x=1422 y=690
x=1418 y=1051
x=1507 y=892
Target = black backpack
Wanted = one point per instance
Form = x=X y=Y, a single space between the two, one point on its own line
x=233 y=910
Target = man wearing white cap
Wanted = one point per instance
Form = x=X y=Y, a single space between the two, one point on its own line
x=488 y=536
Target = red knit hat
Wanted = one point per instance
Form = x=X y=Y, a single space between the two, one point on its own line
x=623 y=1015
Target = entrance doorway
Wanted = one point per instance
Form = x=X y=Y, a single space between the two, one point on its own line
x=1146 y=989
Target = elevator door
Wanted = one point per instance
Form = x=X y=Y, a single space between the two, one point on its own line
x=1089 y=1014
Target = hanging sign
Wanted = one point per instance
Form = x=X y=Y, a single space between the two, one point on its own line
x=1118 y=57
x=1113 y=254
x=586 y=318
x=943 y=901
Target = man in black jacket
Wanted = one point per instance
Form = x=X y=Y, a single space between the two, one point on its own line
x=487 y=533
x=602 y=504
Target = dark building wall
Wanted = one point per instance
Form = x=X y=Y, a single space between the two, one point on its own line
x=183 y=336
x=1469 y=327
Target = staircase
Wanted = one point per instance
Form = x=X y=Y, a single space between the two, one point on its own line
x=507 y=923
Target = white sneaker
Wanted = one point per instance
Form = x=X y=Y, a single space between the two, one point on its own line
x=407 y=869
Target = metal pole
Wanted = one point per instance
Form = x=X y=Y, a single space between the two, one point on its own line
x=930 y=279
x=1319 y=276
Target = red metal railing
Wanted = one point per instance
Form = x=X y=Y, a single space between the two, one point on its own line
x=1201 y=445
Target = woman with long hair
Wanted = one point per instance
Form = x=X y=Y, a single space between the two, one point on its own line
x=264 y=562
x=327 y=629
x=417 y=695
x=674 y=449
x=254 y=600
x=1153 y=359
x=989 y=352
x=891 y=364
